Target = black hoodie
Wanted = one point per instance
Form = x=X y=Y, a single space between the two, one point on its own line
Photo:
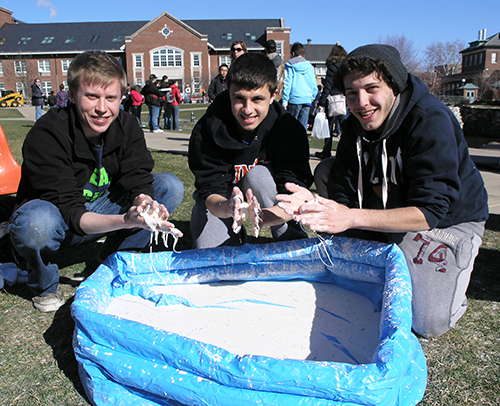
x=219 y=158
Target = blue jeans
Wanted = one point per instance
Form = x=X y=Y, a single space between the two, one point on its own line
x=154 y=116
x=38 y=230
x=38 y=112
x=172 y=116
x=300 y=112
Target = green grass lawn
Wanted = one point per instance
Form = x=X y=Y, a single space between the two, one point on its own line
x=37 y=364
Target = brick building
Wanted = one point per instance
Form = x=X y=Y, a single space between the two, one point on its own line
x=480 y=69
x=189 y=51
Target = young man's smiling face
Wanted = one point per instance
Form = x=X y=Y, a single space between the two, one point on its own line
x=250 y=107
x=97 y=107
x=370 y=99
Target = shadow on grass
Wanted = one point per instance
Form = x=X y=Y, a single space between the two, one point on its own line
x=485 y=280
x=59 y=337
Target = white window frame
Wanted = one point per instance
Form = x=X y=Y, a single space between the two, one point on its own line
x=1 y=68
x=20 y=67
x=44 y=66
x=167 y=57
x=494 y=57
x=138 y=61
x=65 y=65
x=196 y=59
x=226 y=59
x=46 y=87
x=20 y=88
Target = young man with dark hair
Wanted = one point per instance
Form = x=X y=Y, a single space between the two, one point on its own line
x=245 y=148
x=299 y=86
x=403 y=174
x=218 y=83
x=86 y=174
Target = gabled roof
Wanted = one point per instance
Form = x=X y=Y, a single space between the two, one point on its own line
x=251 y=32
x=491 y=42
x=317 y=54
x=83 y=32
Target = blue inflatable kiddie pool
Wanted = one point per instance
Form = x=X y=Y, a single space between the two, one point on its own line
x=126 y=361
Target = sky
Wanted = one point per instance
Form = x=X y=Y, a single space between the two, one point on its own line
x=352 y=23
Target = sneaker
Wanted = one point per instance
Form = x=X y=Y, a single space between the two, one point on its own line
x=159 y=130
x=48 y=303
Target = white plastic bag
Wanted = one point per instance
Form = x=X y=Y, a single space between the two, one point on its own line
x=320 y=128
x=336 y=105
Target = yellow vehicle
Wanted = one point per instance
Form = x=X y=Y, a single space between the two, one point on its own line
x=10 y=99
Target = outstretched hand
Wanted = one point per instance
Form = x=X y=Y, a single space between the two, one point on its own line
x=245 y=209
x=291 y=203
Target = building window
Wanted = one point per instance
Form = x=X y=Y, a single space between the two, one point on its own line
x=44 y=66
x=226 y=60
x=196 y=84
x=2 y=40
x=196 y=60
x=20 y=67
x=46 y=87
x=1 y=68
x=94 y=38
x=167 y=57
x=2 y=86
x=494 y=57
x=20 y=88
x=118 y=38
x=24 y=40
x=70 y=40
x=65 y=65
x=47 y=40
x=138 y=61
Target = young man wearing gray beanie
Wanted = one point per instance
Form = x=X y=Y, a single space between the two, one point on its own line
x=403 y=174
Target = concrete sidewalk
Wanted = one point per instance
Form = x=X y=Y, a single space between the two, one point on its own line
x=487 y=159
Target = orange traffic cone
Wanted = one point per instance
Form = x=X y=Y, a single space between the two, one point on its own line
x=10 y=170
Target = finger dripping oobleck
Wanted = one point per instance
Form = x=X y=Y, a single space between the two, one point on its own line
x=309 y=322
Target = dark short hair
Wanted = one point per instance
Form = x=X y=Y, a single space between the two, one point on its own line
x=271 y=46
x=364 y=66
x=253 y=71
x=298 y=49
x=223 y=66
x=95 y=68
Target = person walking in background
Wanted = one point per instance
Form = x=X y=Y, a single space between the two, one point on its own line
x=278 y=63
x=172 y=106
x=238 y=48
x=52 y=100
x=37 y=97
x=137 y=99
x=337 y=54
x=152 y=96
x=299 y=88
x=62 y=97
x=218 y=84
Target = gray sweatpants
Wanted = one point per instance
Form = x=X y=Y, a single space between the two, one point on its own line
x=210 y=231
x=440 y=262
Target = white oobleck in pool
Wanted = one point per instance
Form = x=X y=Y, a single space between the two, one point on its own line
x=293 y=319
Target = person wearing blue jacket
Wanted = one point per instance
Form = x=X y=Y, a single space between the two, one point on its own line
x=299 y=87
x=402 y=174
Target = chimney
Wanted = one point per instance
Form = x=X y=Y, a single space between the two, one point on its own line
x=309 y=40
x=482 y=34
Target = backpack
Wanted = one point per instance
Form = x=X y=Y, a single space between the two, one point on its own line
x=336 y=105
x=169 y=97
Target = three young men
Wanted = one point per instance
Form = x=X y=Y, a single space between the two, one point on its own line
x=403 y=174
x=86 y=174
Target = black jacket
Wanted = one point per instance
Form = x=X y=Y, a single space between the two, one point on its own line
x=428 y=163
x=58 y=162
x=217 y=86
x=219 y=158
x=328 y=88
x=151 y=93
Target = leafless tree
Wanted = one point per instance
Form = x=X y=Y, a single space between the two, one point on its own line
x=407 y=50
x=444 y=56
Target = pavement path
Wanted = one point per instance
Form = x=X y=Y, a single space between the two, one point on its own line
x=487 y=157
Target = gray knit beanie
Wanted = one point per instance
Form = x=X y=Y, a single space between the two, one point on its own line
x=390 y=56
